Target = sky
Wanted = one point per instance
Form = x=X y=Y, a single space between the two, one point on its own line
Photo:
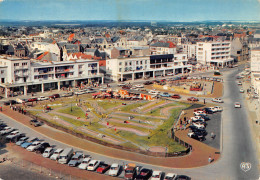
x=165 y=10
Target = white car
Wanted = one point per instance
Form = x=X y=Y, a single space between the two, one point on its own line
x=170 y=176
x=199 y=125
x=197 y=113
x=114 y=169
x=213 y=109
x=56 y=154
x=157 y=175
x=241 y=90
x=41 y=98
x=139 y=86
x=48 y=152
x=84 y=163
x=93 y=164
x=239 y=83
x=79 y=92
x=6 y=130
x=237 y=105
x=121 y=84
x=154 y=92
x=218 y=108
x=195 y=118
x=34 y=146
x=218 y=100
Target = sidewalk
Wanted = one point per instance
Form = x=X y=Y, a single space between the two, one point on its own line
x=198 y=157
x=253 y=106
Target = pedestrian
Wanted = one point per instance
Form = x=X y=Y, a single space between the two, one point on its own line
x=184 y=126
x=185 y=119
x=180 y=122
x=212 y=135
x=210 y=159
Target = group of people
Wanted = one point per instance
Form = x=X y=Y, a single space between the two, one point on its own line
x=183 y=124
x=18 y=108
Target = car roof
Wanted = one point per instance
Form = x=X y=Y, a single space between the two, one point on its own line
x=59 y=149
x=114 y=165
x=157 y=172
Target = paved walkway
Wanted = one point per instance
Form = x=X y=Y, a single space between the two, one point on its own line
x=198 y=157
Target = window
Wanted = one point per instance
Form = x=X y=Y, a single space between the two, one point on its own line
x=137 y=62
x=125 y=63
x=2 y=71
x=16 y=79
x=16 y=64
x=130 y=63
x=24 y=64
x=120 y=69
x=120 y=63
x=200 y=49
x=141 y=62
x=145 y=61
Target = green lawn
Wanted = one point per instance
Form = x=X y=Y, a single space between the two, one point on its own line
x=129 y=126
x=76 y=111
x=107 y=104
x=157 y=111
x=156 y=104
x=130 y=107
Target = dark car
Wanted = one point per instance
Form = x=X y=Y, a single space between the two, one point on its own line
x=206 y=118
x=148 y=83
x=193 y=99
x=35 y=122
x=208 y=111
x=183 y=177
x=54 y=96
x=196 y=130
x=176 y=96
x=2 y=126
x=197 y=137
x=10 y=102
x=32 y=99
x=42 y=147
x=102 y=168
x=144 y=174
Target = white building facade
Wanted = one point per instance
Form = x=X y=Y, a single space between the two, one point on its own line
x=215 y=53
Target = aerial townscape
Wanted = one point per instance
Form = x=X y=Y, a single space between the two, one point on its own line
x=146 y=91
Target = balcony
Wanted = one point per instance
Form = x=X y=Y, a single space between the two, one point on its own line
x=21 y=67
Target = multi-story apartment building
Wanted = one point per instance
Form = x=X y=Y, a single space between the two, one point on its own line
x=146 y=66
x=215 y=53
x=31 y=76
x=255 y=69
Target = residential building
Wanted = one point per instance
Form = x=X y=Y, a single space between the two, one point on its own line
x=30 y=75
x=215 y=53
x=146 y=66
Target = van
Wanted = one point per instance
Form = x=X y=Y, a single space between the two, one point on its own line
x=65 y=156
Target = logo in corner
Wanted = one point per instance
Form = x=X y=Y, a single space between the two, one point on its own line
x=245 y=166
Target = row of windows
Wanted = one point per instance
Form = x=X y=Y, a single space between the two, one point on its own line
x=23 y=64
x=130 y=63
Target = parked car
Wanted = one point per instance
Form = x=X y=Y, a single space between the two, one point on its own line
x=157 y=175
x=42 y=98
x=6 y=130
x=170 y=176
x=193 y=99
x=218 y=108
x=32 y=99
x=114 y=169
x=56 y=154
x=67 y=94
x=237 y=105
x=199 y=125
x=65 y=156
x=218 y=100
x=241 y=90
x=139 y=86
x=176 y=96
x=165 y=94
x=54 y=96
x=239 y=83
x=102 y=167
x=130 y=171
x=48 y=152
x=43 y=146
x=80 y=92
x=35 y=122
x=21 y=140
x=154 y=92
x=11 y=135
x=208 y=111
x=196 y=136
x=7 y=103
x=16 y=137
x=182 y=177
x=148 y=83
x=121 y=84
x=29 y=142
x=144 y=174
x=34 y=146
x=84 y=163
x=205 y=117
x=93 y=164
x=198 y=113
x=213 y=109
x=76 y=159
x=197 y=130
